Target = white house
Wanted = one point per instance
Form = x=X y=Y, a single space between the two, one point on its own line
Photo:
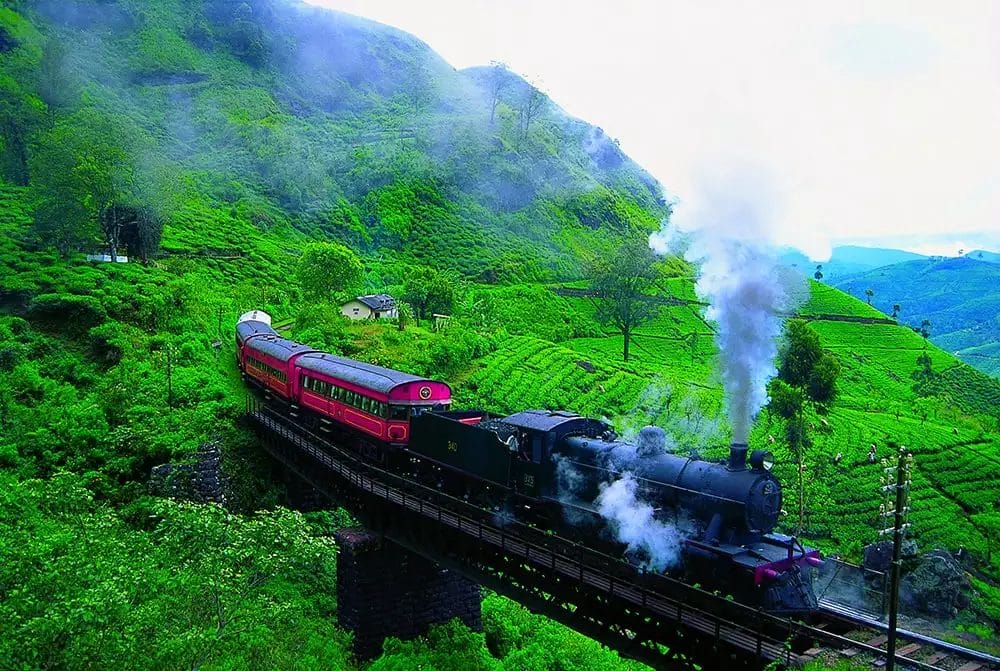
x=377 y=306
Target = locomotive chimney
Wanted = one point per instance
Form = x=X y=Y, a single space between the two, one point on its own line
x=737 y=457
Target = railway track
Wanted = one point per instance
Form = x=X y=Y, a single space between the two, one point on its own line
x=840 y=633
x=861 y=635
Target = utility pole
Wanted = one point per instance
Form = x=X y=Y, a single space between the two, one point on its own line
x=170 y=386
x=897 y=484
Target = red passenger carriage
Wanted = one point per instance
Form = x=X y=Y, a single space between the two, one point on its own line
x=375 y=401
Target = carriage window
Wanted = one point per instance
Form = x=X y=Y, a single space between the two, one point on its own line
x=397 y=412
x=365 y=403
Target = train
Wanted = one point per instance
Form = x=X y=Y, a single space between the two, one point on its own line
x=545 y=467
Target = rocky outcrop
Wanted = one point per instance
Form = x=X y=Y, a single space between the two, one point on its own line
x=937 y=586
x=933 y=583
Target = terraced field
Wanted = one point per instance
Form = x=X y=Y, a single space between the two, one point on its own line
x=670 y=381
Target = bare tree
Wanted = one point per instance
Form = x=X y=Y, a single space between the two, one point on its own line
x=531 y=105
x=498 y=81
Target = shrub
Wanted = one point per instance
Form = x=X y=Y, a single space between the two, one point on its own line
x=66 y=312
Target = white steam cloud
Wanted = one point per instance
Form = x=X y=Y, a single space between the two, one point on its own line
x=748 y=291
x=633 y=522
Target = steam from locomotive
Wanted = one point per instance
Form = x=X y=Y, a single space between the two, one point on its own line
x=748 y=291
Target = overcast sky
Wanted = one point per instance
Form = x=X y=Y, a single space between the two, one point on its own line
x=868 y=122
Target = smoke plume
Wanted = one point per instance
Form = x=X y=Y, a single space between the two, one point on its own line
x=657 y=545
x=748 y=291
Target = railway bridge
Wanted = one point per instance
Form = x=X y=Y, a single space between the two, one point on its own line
x=645 y=616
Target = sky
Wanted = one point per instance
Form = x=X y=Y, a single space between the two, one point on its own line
x=848 y=122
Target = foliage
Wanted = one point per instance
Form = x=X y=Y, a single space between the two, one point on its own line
x=67 y=311
x=82 y=168
x=805 y=365
x=327 y=267
x=959 y=296
x=429 y=292
x=622 y=283
x=159 y=584
x=251 y=134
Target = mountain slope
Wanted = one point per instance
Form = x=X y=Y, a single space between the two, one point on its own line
x=959 y=296
x=246 y=117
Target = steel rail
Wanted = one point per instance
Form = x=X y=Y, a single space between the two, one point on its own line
x=860 y=618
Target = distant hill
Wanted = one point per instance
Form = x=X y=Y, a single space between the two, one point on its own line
x=849 y=260
x=959 y=296
x=983 y=255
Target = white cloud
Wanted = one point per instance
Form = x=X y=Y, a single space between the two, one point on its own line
x=867 y=120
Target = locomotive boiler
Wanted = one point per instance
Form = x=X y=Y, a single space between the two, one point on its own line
x=551 y=466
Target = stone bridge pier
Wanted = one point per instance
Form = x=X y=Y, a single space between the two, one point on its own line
x=384 y=590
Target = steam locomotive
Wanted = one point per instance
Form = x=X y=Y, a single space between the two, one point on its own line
x=547 y=467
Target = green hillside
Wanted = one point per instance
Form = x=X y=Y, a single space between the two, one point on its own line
x=960 y=297
x=243 y=119
x=255 y=129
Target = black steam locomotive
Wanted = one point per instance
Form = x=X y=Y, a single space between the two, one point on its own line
x=554 y=469
x=553 y=466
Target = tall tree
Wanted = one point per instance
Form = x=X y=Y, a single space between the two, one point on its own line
x=82 y=168
x=531 y=106
x=499 y=80
x=622 y=283
x=326 y=267
x=21 y=115
x=807 y=374
x=137 y=227
x=925 y=328
x=429 y=291
x=868 y=294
